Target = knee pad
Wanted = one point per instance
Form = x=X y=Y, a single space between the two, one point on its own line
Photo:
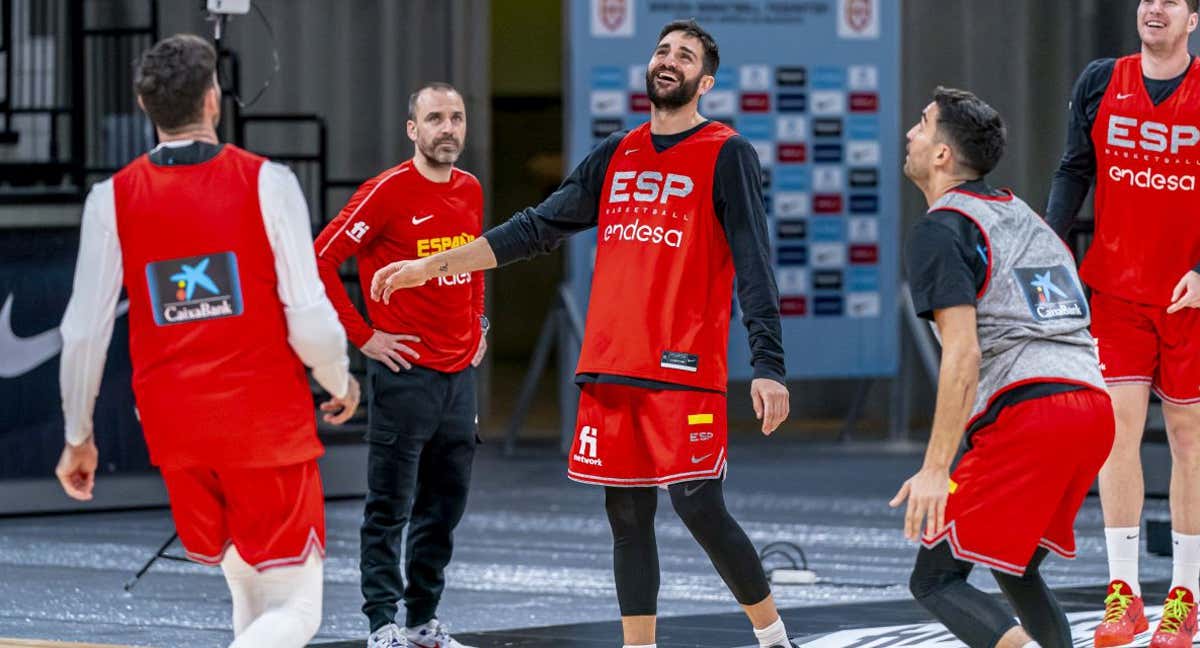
x=630 y=510
x=936 y=570
x=698 y=502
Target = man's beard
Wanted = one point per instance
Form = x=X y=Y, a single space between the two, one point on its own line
x=683 y=93
x=440 y=156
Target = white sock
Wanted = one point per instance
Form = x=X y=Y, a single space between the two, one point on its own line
x=1124 y=546
x=772 y=635
x=1032 y=644
x=1185 y=561
x=240 y=578
x=290 y=601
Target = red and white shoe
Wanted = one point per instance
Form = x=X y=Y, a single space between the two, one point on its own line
x=1124 y=617
x=1177 y=628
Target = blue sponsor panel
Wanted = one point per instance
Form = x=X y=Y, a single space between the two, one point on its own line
x=793 y=178
x=791 y=102
x=827 y=153
x=726 y=79
x=755 y=127
x=827 y=230
x=828 y=306
x=864 y=204
x=608 y=77
x=828 y=77
x=792 y=255
x=863 y=278
x=865 y=127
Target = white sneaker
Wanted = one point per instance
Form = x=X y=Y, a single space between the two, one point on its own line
x=389 y=636
x=432 y=635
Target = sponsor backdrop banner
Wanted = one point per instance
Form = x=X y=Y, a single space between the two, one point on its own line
x=814 y=86
x=35 y=283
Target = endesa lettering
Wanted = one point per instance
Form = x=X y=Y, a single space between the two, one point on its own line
x=1148 y=179
x=647 y=187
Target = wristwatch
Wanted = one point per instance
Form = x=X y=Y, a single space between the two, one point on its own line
x=484 y=324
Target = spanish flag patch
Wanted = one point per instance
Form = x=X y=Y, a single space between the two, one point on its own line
x=700 y=419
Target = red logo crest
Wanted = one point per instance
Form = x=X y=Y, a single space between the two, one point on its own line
x=858 y=14
x=613 y=13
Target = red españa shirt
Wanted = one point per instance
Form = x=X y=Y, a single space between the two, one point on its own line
x=401 y=215
x=1147 y=198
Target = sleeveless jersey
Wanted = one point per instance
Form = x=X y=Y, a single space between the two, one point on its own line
x=662 y=287
x=215 y=380
x=1147 y=200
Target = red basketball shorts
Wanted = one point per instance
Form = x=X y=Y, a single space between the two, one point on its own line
x=274 y=516
x=1142 y=344
x=632 y=436
x=1024 y=479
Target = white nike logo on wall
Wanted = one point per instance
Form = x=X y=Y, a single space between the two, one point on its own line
x=418 y=221
x=20 y=355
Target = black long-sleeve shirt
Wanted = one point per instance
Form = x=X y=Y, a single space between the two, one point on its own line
x=1077 y=170
x=738 y=202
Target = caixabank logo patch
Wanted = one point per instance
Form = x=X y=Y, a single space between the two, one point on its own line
x=194 y=289
x=1052 y=293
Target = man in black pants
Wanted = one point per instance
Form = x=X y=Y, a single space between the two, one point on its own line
x=678 y=209
x=420 y=376
x=1019 y=377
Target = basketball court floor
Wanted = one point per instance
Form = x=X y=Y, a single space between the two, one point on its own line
x=532 y=565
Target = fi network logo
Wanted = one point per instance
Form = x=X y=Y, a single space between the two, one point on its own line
x=587 y=447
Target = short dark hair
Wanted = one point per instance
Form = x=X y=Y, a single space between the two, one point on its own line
x=971 y=127
x=440 y=86
x=172 y=77
x=712 y=55
x=1194 y=5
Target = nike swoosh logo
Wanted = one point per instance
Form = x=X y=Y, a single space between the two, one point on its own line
x=632 y=151
x=698 y=460
x=1134 y=537
x=1121 y=97
x=418 y=221
x=689 y=491
x=20 y=355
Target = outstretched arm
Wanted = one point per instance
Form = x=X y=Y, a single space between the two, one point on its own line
x=472 y=257
x=572 y=208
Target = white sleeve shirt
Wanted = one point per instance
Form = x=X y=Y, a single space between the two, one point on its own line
x=314 y=332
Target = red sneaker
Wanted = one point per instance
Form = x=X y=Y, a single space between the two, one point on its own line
x=1124 y=617
x=1178 y=626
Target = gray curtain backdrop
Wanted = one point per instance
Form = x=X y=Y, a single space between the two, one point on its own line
x=355 y=62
